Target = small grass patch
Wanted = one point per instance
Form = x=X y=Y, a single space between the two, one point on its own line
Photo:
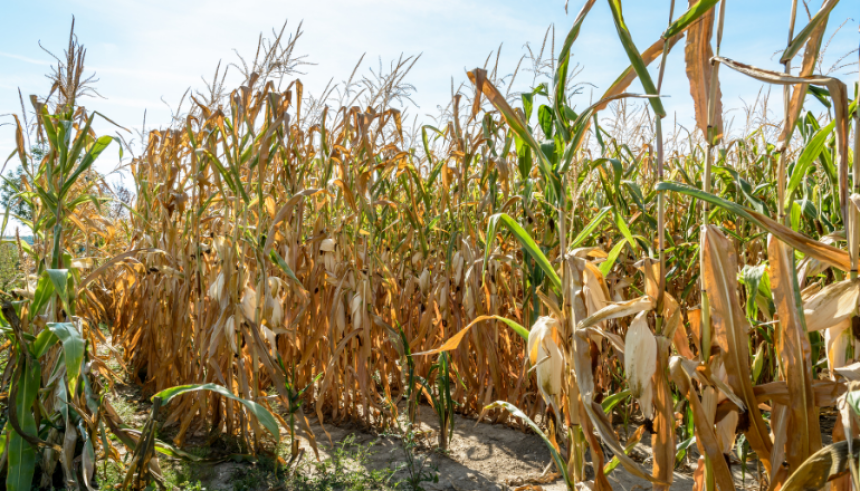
x=348 y=469
x=123 y=408
x=177 y=476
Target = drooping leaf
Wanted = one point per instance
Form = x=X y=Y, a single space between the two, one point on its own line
x=719 y=276
x=454 y=341
x=822 y=466
x=59 y=278
x=825 y=253
x=258 y=411
x=792 y=344
x=704 y=428
x=529 y=245
x=697 y=55
x=73 y=349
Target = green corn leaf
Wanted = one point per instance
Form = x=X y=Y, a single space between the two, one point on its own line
x=681 y=449
x=746 y=189
x=825 y=253
x=854 y=400
x=635 y=56
x=278 y=261
x=528 y=105
x=44 y=290
x=752 y=277
x=60 y=278
x=794 y=215
x=227 y=176
x=545 y=117
x=22 y=456
x=516 y=327
x=261 y=413
x=4 y=438
x=97 y=148
x=606 y=266
x=78 y=146
x=625 y=230
x=801 y=38
x=581 y=125
x=48 y=198
x=43 y=342
x=823 y=95
x=73 y=349
x=50 y=128
x=692 y=14
x=63 y=137
x=171 y=451
x=809 y=155
x=435 y=173
x=589 y=229
x=200 y=211
x=529 y=246
x=563 y=63
x=425 y=140
x=515 y=124
x=610 y=402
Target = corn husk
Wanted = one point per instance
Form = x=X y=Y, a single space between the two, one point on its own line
x=640 y=361
x=546 y=357
x=831 y=305
x=839 y=340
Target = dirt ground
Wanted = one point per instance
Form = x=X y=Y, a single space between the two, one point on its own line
x=495 y=457
x=481 y=456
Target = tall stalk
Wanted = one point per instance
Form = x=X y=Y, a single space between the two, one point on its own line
x=786 y=99
x=712 y=137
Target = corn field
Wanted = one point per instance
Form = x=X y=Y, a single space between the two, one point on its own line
x=519 y=262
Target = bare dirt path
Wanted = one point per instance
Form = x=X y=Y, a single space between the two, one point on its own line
x=494 y=457
x=481 y=456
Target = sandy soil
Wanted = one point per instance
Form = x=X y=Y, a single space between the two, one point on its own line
x=488 y=457
x=496 y=457
x=481 y=456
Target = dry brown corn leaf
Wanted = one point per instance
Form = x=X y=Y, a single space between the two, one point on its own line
x=795 y=352
x=731 y=330
x=704 y=432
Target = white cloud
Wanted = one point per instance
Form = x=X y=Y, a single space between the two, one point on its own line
x=26 y=59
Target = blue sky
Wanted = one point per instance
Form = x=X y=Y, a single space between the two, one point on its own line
x=143 y=51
